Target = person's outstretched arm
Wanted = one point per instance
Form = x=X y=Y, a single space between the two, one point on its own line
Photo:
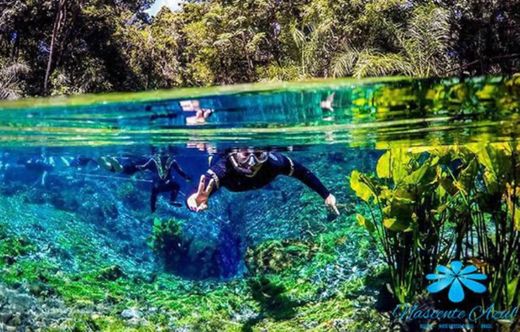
x=208 y=184
x=302 y=173
x=179 y=170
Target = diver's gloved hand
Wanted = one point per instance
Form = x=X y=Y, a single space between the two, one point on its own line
x=330 y=201
x=199 y=200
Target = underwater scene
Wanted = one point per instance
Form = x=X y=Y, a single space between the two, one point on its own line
x=329 y=205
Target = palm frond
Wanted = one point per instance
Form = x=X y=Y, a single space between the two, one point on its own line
x=14 y=70
x=298 y=37
x=10 y=80
x=379 y=64
x=423 y=43
x=428 y=40
x=343 y=63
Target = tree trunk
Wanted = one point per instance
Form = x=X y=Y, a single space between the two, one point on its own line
x=58 y=23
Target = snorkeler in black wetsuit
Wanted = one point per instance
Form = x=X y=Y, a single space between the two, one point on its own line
x=160 y=165
x=249 y=169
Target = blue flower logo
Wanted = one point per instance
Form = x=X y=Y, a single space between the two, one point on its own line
x=455 y=277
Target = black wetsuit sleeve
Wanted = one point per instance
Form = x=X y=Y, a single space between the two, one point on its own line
x=302 y=173
x=131 y=165
x=141 y=164
x=217 y=172
x=178 y=169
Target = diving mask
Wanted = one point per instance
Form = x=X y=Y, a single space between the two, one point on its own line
x=245 y=161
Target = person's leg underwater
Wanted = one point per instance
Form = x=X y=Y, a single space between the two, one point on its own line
x=157 y=188
x=174 y=188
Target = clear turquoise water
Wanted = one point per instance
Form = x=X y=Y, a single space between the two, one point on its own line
x=363 y=114
x=89 y=218
x=332 y=138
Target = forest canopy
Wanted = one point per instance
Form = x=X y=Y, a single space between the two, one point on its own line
x=50 y=47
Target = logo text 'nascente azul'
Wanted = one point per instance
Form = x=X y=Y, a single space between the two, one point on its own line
x=408 y=312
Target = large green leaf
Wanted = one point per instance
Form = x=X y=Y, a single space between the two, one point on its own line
x=401 y=208
x=482 y=155
x=403 y=194
x=358 y=183
x=496 y=160
x=513 y=209
x=467 y=177
x=511 y=289
x=383 y=170
x=446 y=182
x=393 y=164
x=400 y=160
x=416 y=176
x=395 y=224
x=365 y=223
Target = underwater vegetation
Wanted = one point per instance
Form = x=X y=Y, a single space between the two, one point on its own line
x=108 y=298
x=95 y=267
x=432 y=205
x=276 y=256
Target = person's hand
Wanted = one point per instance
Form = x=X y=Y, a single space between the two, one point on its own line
x=199 y=200
x=330 y=201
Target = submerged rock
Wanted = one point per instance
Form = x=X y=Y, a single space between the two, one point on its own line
x=15 y=301
x=131 y=313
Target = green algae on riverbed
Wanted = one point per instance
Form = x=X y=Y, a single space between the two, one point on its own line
x=102 y=297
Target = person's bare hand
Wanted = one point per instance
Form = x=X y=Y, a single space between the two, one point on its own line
x=199 y=200
x=330 y=201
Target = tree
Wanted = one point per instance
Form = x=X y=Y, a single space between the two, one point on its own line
x=11 y=80
x=104 y=45
x=485 y=35
x=56 y=32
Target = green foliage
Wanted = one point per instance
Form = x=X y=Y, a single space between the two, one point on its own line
x=285 y=300
x=427 y=206
x=11 y=86
x=104 y=46
x=422 y=44
x=276 y=256
x=175 y=250
x=13 y=247
x=110 y=273
x=272 y=297
x=401 y=200
x=166 y=235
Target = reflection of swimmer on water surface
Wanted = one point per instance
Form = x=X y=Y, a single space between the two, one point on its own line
x=326 y=104
x=249 y=169
x=201 y=114
x=162 y=167
x=188 y=113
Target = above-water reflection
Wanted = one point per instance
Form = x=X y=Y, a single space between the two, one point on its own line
x=280 y=207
